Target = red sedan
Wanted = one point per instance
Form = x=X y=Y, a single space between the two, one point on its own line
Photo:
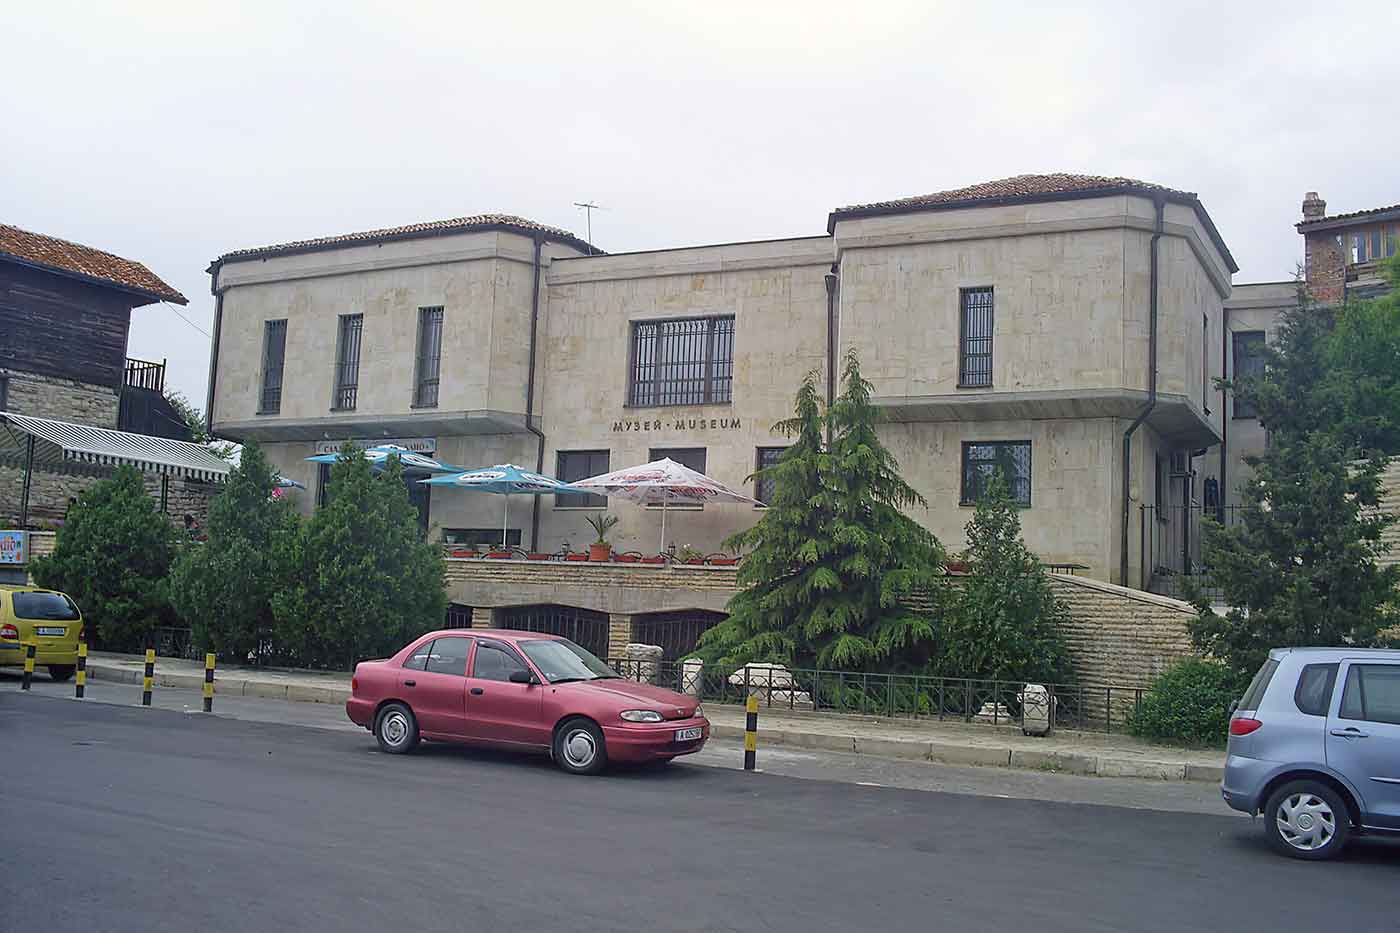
x=521 y=690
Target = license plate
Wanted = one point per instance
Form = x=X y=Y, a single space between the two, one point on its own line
x=689 y=735
x=51 y=630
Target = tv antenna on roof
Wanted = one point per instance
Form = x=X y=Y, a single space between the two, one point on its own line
x=588 y=208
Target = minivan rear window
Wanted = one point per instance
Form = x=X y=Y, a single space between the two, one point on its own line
x=53 y=607
x=1255 y=691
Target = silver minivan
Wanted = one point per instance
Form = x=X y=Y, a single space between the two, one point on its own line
x=1315 y=747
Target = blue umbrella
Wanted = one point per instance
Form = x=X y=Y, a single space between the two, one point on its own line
x=379 y=455
x=507 y=480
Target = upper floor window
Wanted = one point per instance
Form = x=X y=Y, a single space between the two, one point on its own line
x=681 y=362
x=1376 y=246
x=274 y=360
x=981 y=460
x=571 y=465
x=764 y=486
x=975 y=337
x=347 y=362
x=429 y=364
x=1249 y=363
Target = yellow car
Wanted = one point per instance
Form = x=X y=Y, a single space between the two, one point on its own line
x=48 y=619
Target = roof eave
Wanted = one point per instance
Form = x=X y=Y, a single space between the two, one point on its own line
x=153 y=296
x=1176 y=197
x=1342 y=221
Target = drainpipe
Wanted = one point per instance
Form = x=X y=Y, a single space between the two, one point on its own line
x=530 y=395
x=1221 y=486
x=218 y=294
x=1160 y=205
x=831 y=282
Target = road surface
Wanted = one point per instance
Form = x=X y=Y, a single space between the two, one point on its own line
x=120 y=818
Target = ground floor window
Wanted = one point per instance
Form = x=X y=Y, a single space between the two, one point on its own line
x=581 y=626
x=676 y=632
x=763 y=488
x=981 y=460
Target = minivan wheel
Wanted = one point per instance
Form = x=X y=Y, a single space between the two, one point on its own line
x=396 y=729
x=1307 y=820
x=579 y=748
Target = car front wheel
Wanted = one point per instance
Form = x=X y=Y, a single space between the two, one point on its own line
x=579 y=748
x=61 y=672
x=1307 y=820
x=396 y=729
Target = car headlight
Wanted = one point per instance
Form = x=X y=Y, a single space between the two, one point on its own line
x=699 y=711
x=641 y=715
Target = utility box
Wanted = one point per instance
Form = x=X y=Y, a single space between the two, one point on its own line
x=1037 y=709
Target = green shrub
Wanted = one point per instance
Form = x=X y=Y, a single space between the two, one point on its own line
x=1190 y=703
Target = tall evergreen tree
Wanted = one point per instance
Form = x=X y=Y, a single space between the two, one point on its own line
x=225 y=587
x=834 y=555
x=367 y=581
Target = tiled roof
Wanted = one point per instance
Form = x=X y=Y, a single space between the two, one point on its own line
x=84 y=262
x=1336 y=219
x=1020 y=186
x=475 y=222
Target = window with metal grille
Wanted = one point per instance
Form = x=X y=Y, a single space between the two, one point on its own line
x=347 y=362
x=764 y=486
x=1249 y=364
x=676 y=632
x=323 y=483
x=580 y=464
x=981 y=460
x=429 y=365
x=274 y=360
x=584 y=627
x=975 y=338
x=681 y=362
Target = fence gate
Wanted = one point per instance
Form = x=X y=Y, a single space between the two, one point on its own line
x=582 y=626
x=676 y=632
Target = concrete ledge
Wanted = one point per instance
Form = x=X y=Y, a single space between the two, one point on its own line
x=1069 y=762
x=1151 y=770
x=944 y=753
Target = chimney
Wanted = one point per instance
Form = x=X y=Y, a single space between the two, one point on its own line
x=1314 y=208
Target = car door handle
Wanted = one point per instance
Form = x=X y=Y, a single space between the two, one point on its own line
x=477 y=691
x=410 y=683
x=1351 y=733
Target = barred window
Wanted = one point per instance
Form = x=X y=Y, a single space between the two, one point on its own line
x=764 y=486
x=981 y=460
x=347 y=362
x=274 y=361
x=681 y=362
x=1249 y=364
x=580 y=464
x=975 y=340
x=429 y=365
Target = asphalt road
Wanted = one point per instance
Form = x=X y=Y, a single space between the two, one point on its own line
x=117 y=818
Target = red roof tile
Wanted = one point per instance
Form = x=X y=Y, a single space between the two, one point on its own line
x=84 y=262
x=473 y=223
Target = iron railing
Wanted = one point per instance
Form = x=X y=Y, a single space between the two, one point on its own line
x=1172 y=563
x=1083 y=707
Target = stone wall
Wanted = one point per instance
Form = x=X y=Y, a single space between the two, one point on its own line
x=51 y=489
x=1120 y=636
x=60 y=399
x=1390 y=503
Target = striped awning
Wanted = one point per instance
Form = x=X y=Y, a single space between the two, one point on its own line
x=57 y=442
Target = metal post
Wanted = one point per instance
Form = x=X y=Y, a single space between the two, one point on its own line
x=750 y=733
x=149 y=677
x=28 y=667
x=81 y=686
x=209 y=681
x=28 y=479
x=164 y=493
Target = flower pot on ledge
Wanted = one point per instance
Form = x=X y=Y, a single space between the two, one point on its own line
x=600 y=552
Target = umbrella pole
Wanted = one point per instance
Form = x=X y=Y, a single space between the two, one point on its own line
x=663 y=524
x=505 y=521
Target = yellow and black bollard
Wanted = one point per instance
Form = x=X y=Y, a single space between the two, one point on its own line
x=751 y=733
x=28 y=667
x=149 y=677
x=81 y=685
x=209 y=682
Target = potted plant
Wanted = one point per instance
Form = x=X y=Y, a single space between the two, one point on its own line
x=690 y=555
x=601 y=523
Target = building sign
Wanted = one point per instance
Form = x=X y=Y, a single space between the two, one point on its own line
x=14 y=547
x=675 y=424
x=417 y=445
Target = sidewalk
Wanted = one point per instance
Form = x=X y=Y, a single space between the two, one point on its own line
x=953 y=743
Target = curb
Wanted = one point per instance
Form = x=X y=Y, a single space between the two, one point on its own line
x=916 y=750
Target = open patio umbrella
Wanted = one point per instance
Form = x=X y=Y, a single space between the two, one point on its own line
x=661 y=482
x=283 y=482
x=507 y=480
x=379 y=455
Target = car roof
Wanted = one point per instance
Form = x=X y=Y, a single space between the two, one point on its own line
x=502 y=633
x=24 y=588
x=1387 y=654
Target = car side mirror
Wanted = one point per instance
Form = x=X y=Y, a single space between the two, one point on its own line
x=523 y=677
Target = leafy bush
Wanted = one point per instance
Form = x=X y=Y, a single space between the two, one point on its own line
x=1190 y=703
x=112 y=557
x=224 y=588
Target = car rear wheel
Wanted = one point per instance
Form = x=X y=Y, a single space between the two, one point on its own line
x=396 y=729
x=579 y=748
x=1307 y=820
x=61 y=672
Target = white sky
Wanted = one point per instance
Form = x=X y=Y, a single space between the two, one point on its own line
x=173 y=132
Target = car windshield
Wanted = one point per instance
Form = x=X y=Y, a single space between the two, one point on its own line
x=50 y=607
x=561 y=660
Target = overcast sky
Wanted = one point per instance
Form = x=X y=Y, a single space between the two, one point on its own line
x=170 y=134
